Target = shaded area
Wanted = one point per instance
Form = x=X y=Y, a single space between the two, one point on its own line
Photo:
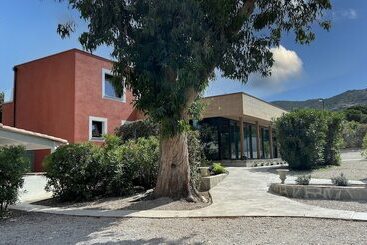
x=36 y=228
x=142 y=201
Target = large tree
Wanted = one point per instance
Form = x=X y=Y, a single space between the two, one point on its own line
x=168 y=50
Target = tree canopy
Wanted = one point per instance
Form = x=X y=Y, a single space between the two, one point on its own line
x=167 y=51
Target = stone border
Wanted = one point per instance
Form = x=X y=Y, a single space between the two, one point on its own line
x=327 y=192
x=206 y=183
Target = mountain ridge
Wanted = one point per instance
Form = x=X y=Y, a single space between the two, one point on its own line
x=338 y=102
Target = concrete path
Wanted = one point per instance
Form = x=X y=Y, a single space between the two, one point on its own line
x=242 y=193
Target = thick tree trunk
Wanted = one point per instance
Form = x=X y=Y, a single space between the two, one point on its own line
x=174 y=173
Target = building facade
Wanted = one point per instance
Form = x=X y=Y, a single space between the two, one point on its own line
x=67 y=95
x=238 y=127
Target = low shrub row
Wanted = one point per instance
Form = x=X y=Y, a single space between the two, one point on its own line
x=13 y=165
x=310 y=138
x=79 y=172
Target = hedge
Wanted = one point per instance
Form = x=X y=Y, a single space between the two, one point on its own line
x=309 y=138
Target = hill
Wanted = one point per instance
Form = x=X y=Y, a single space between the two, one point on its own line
x=337 y=102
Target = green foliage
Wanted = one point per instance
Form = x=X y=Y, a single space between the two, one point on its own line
x=303 y=180
x=13 y=165
x=137 y=129
x=74 y=172
x=353 y=134
x=196 y=156
x=167 y=52
x=78 y=172
x=333 y=140
x=340 y=180
x=309 y=138
x=356 y=114
x=135 y=163
x=217 y=168
x=364 y=147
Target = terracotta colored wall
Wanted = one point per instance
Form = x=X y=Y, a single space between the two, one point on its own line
x=45 y=96
x=89 y=100
x=8 y=109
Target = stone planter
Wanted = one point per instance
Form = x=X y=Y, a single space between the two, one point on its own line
x=206 y=183
x=327 y=192
x=204 y=171
x=282 y=174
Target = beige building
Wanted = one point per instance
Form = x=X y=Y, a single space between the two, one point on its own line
x=239 y=126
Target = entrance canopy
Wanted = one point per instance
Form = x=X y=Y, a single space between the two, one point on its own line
x=30 y=140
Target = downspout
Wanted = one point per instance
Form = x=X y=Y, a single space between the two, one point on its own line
x=15 y=69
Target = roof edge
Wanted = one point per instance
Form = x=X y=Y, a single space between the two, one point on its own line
x=75 y=50
x=243 y=93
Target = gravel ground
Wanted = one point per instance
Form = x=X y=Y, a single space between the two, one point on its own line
x=136 y=202
x=33 y=228
x=360 y=206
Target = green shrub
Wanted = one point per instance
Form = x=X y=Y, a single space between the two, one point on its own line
x=333 y=140
x=310 y=138
x=135 y=163
x=364 y=152
x=74 y=172
x=13 y=165
x=340 y=180
x=301 y=136
x=137 y=129
x=353 y=134
x=196 y=156
x=79 y=172
x=303 y=180
x=217 y=168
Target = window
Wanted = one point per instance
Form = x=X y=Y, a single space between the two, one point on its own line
x=97 y=128
x=108 y=90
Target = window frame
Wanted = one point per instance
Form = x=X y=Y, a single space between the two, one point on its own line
x=104 y=96
x=104 y=127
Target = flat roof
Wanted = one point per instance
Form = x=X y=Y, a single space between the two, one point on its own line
x=228 y=94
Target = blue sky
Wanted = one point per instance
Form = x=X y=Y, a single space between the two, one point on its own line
x=335 y=62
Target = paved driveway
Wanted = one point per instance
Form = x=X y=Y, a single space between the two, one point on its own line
x=34 y=188
x=244 y=192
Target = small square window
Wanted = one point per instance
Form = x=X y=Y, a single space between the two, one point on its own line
x=97 y=128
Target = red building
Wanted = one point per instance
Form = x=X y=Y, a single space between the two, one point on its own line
x=67 y=95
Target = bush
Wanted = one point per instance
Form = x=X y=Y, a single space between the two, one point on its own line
x=74 y=172
x=78 y=172
x=138 y=129
x=364 y=152
x=303 y=180
x=340 y=180
x=333 y=141
x=309 y=138
x=217 y=168
x=13 y=165
x=353 y=134
x=301 y=136
x=133 y=164
x=196 y=156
